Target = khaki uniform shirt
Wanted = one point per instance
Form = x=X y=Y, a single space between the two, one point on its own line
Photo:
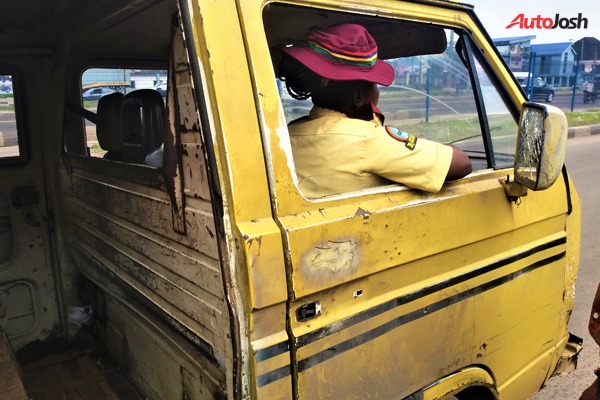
x=336 y=154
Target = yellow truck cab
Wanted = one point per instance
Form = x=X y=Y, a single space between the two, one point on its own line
x=164 y=219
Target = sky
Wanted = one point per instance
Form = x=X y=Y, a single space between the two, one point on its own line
x=497 y=15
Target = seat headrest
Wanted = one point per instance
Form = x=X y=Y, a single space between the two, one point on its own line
x=108 y=122
x=143 y=124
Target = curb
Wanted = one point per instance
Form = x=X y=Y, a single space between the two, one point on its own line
x=582 y=131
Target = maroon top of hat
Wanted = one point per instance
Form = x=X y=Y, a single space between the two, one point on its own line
x=342 y=52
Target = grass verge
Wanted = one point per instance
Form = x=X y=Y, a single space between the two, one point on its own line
x=589 y=117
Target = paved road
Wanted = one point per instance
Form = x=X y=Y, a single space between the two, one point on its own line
x=562 y=100
x=582 y=160
x=8 y=129
x=440 y=106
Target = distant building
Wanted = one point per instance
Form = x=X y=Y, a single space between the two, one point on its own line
x=137 y=79
x=588 y=52
x=554 y=62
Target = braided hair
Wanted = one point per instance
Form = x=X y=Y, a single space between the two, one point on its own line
x=302 y=83
x=299 y=80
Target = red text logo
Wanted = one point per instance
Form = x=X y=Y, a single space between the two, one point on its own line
x=540 y=22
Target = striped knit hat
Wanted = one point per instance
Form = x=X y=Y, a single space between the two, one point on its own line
x=343 y=52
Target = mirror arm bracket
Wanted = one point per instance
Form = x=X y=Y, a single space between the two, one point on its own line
x=514 y=190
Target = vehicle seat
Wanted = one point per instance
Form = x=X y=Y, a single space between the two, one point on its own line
x=143 y=124
x=108 y=125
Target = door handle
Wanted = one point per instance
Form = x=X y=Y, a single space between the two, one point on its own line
x=308 y=311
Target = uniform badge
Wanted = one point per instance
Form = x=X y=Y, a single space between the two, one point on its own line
x=410 y=141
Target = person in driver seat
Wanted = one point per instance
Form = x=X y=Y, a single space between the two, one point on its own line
x=343 y=144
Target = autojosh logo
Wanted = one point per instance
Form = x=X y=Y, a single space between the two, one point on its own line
x=540 y=22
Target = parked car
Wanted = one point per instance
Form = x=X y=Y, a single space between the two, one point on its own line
x=96 y=93
x=541 y=90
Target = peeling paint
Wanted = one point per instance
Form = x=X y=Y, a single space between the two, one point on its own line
x=286 y=145
x=330 y=259
x=210 y=233
x=258 y=241
x=365 y=214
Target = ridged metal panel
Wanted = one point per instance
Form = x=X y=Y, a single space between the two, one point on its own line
x=125 y=228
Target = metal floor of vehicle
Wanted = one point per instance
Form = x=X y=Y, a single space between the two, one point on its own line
x=78 y=370
x=12 y=384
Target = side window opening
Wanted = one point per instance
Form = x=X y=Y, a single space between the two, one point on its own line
x=11 y=131
x=119 y=127
x=500 y=119
x=126 y=109
x=435 y=93
x=497 y=119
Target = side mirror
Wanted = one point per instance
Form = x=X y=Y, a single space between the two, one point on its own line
x=541 y=146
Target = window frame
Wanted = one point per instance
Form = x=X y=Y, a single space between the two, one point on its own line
x=503 y=92
x=79 y=110
x=20 y=111
x=473 y=51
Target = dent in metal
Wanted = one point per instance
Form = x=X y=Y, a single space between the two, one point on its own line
x=567 y=362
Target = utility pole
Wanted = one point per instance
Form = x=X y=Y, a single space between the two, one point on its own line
x=579 y=56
